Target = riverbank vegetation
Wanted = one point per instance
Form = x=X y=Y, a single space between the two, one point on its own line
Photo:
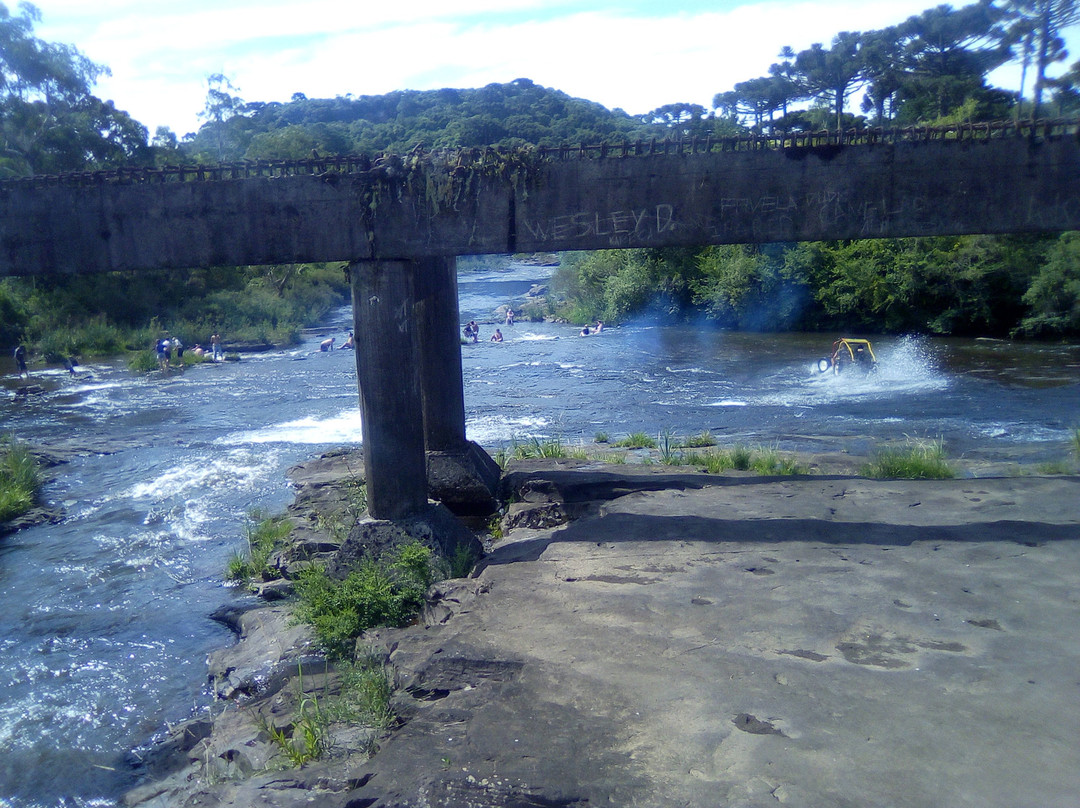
x=116 y=313
x=20 y=479
x=386 y=591
x=1018 y=286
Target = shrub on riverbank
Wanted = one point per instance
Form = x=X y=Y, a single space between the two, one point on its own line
x=20 y=479
x=388 y=591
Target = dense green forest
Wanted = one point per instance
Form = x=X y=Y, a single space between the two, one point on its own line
x=929 y=69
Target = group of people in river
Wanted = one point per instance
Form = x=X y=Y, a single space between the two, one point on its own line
x=328 y=344
x=167 y=347
x=471 y=331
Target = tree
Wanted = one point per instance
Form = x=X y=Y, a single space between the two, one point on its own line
x=1054 y=294
x=1040 y=25
x=49 y=119
x=945 y=54
x=832 y=74
x=222 y=105
x=758 y=99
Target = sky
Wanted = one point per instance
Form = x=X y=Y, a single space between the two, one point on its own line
x=634 y=55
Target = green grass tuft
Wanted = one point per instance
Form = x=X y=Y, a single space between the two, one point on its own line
x=20 y=479
x=264 y=534
x=636 y=440
x=923 y=461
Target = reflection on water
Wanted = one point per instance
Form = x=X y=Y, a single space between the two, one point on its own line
x=103 y=617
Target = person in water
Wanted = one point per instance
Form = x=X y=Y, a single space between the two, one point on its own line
x=584 y=332
x=20 y=360
x=497 y=336
x=215 y=346
x=349 y=343
x=162 y=349
x=509 y=315
x=472 y=331
x=327 y=344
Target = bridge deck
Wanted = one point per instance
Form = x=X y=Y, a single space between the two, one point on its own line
x=470 y=202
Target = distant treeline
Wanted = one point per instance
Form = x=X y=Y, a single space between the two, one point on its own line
x=1025 y=286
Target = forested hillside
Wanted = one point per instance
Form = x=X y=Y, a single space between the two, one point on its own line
x=930 y=69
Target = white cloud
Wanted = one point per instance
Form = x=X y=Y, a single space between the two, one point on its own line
x=272 y=49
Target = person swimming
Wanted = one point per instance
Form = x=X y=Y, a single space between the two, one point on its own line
x=497 y=336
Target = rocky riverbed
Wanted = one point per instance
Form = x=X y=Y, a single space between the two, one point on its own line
x=648 y=636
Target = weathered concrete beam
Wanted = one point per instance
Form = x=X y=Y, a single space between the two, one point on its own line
x=439 y=209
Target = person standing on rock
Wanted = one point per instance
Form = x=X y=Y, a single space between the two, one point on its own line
x=215 y=345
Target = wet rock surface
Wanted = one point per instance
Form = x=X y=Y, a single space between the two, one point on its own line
x=702 y=640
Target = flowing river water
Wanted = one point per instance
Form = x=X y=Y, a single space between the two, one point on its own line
x=104 y=626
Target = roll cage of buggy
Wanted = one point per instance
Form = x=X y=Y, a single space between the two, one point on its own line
x=849 y=354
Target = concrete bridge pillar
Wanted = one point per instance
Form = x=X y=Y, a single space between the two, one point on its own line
x=440 y=354
x=388 y=373
x=408 y=365
x=461 y=474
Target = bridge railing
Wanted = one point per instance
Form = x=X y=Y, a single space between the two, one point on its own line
x=471 y=157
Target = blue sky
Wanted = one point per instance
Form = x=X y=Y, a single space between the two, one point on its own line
x=632 y=55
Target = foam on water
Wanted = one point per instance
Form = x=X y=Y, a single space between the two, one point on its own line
x=236 y=469
x=345 y=427
x=490 y=430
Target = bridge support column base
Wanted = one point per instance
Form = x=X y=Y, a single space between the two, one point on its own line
x=465 y=480
x=433 y=525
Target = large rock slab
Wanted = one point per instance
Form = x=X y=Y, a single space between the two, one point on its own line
x=798 y=642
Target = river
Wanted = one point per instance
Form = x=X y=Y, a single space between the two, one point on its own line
x=104 y=626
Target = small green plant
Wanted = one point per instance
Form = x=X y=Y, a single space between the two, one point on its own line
x=494 y=528
x=536 y=448
x=771 y=462
x=699 y=441
x=636 y=440
x=741 y=457
x=1076 y=441
x=1054 y=467
x=20 y=479
x=310 y=732
x=618 y=458
x=264 y=534
x=385 y=591
x=715 y=462
x=460 y=564
x=667 y=444
x=922 y=461
x=366 y=688
x=142 y=361
x=601 y=437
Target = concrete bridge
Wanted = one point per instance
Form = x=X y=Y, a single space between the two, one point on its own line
x=400 y=221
